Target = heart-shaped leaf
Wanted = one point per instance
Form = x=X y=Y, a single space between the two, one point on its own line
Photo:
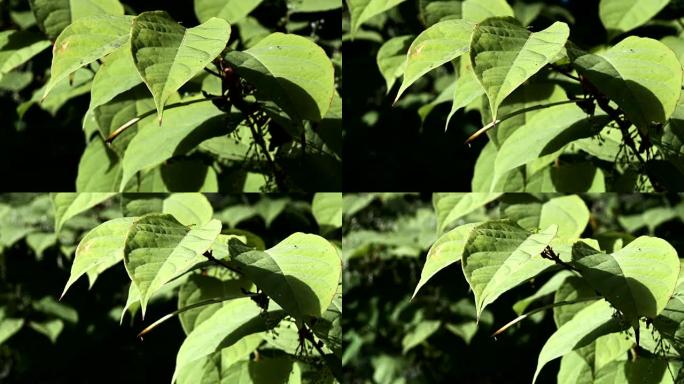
x=641 y=75
x=639 y=279
x=500 y=255
x=159 y=248
x=168 y=55
x=291 y=71
x=301 y=273
x=505 y=54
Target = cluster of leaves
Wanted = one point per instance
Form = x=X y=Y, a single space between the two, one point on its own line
x=601 y=288
x=257 y=314
x=616 y=297
x=561 y=113
x=247 y=100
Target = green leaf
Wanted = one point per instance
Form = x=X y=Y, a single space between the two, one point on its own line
x=188 y=208
x=391 y=58
x=476 y=11
x=300 y=273
x=55 y=15
x=85 y=41
x=99 y=169
x=435 y=46
x=226 y=327
x=68 y=205
x=467 y=90
x=313 y=5
x=167 y=55
x=361 y=11
x=8 y=325
x=545 y=135
x=548 y=288
x=450 y=207
x=644 y=370
x=421 y=332
x=590 y=323
x=570 y=213
x=484 y=173
x=159 y=248
x=50 y=328
x=327 y=209
x=447 y=250
x=505 y=55
x=619 y=16
x=18 y=47
x=220 y=366
x=181 y=130
x=290 y=70
x=231 y=11
x=116 y=75
x=639 y=279
x=198 y=288
x=642 y=76
x=499 y=256
x=100 y=249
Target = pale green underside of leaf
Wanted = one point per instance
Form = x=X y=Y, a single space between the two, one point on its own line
x=301 y=273
x=505 y=55
x=188 y=208
x=435 y=46
x=100 y=249
x=362 y=10
x=292 y=71
x=159 y=248
x=639 y=279
x=167 y=55
x=68 y=205
x=54 y=15
x=235 y=320
x=85 y=41
x=620 y=16
x=500 y=255
x=327 y=209
x=570 y=213
x=231 y=11
x=450 y=207
x=586 y=326
x=183 y=125
x=447 y=250
x=641 y=75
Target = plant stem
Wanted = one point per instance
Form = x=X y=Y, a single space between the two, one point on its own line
x=179 y=311
x=209 y=255
x=112 y=136
x=259 y=139
x=516 y=113
x=540 y=309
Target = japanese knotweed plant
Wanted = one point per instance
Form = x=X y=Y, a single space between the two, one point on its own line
x=617 y=304
x=558 y=117
x=227 y=104
x=271 y=315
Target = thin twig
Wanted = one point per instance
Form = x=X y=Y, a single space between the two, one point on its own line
x=540 y=309
x=259 y=140
x=564 y=72
x=117 y=132
x=179 y=311
x=516 y=113
x=213 y=72
x=209 y=255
